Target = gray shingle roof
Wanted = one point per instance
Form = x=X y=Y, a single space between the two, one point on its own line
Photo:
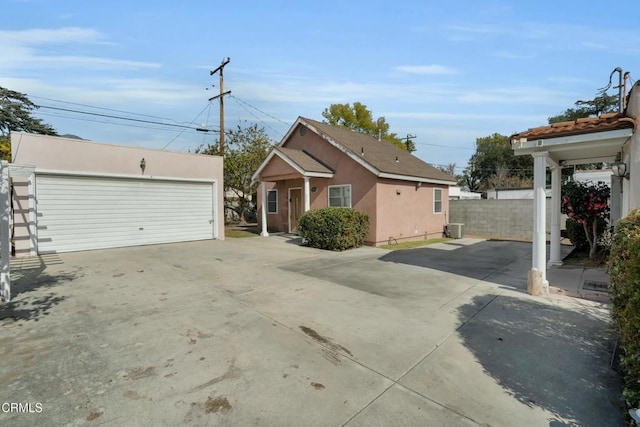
x=304 y=160
x=383 y=156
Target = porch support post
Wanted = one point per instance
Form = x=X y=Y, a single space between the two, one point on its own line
x=307 y=196
x=537 y=280
x=265 y=202
x=555 y=256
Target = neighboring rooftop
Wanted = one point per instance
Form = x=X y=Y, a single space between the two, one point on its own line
x=605 y=122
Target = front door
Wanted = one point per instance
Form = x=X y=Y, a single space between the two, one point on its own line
x=295 y=208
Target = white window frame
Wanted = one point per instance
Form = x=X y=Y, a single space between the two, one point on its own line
x=273 y=190
x=435 y=191
x=339 y=186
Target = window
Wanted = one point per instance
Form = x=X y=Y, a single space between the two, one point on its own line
x=340 y=196
x=437 y=200
x=272 y=201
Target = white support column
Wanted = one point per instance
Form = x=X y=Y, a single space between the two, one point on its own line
x=555 y=255
x=307 y=195
x=537 y=281
x=5 y=245
x=265 y=203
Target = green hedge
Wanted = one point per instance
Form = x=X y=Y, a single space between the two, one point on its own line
x=624 y=268
x=335 y=229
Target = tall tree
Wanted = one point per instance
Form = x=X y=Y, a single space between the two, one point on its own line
x=470 y=178
x=16 y=115
x=495 y=163
x=601 y=104
x=360 y=119
x=245 y=149
x=449 y=169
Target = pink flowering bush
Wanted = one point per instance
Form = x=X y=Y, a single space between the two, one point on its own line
x=587 y=205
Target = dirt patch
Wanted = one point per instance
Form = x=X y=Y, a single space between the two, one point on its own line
x=138 y=373
x=317 y=386
x=232 y=372
x=93 y=415
x=133 y=395
x=580 y=258
x=219 y=404
x=323 y=340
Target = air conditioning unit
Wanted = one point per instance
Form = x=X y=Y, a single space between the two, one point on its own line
x=457 y=230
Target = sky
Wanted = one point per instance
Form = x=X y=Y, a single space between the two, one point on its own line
x=446 y=72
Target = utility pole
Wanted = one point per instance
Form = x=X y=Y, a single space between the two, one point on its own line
x=411 y=147
x=221 y=97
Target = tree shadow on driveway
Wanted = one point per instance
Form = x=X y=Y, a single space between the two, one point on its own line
x=495 y=261
x=29 y=282
x=547 y=356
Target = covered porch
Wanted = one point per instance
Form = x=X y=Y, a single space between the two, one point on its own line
x=584 y=141
x=287 y=179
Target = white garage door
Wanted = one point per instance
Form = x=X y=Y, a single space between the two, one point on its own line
x=78 y=213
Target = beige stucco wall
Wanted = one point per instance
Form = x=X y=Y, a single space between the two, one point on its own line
x=74 y=155
x=407 y=212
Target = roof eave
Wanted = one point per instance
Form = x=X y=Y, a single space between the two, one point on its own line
x=527 y=146
x=415 y=178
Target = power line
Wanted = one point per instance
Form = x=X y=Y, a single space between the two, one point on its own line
x=253 y=115
x=263 y=112
x=86 y=119
x=104 y=108
x=444 y=146
x=123 y=118
x=196 y=118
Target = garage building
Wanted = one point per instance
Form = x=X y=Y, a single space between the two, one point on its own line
x=71 y=195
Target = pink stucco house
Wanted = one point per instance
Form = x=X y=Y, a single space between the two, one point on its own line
x=317 y=165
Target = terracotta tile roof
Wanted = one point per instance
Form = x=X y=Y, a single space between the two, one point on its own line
x=385 y=157
x=304 y=160
x=606 y=122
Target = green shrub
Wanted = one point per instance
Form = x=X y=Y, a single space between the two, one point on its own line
x=335 y=229
x=624 y=268
x=575 y=233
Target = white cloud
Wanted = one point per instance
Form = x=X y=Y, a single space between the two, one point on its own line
x=89 y=62
x=516 y=95
x=134 y=91
x=21 y=50
x=456 y=117
x=136 y=94
x=426 y=69
x=511 y=55
x=293 y=90
x=477 y=29
x=37 y=36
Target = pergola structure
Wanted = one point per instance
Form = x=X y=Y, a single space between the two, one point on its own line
x=587 y=140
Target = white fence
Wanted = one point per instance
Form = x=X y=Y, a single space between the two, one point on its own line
x=5 y=236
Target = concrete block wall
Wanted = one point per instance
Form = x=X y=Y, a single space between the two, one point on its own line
x=495 y=218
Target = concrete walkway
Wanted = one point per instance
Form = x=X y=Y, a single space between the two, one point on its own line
x=261 y=331
x=579 y=282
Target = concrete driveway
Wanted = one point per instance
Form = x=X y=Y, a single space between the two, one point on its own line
x=262 y=331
